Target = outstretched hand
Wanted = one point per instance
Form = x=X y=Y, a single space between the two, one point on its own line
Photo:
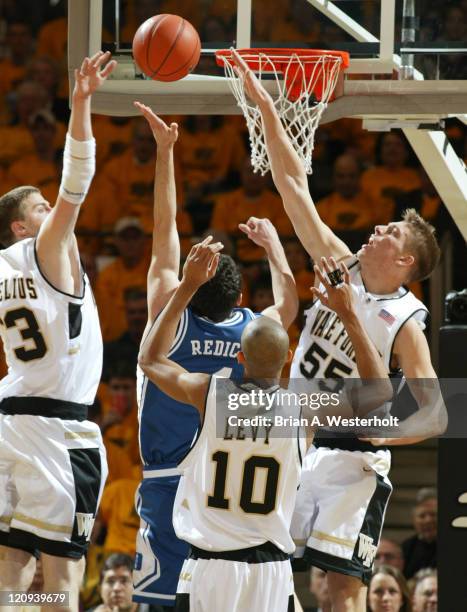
x=260 y=231
x=253 y=86
x=91 y=75
x=201 y=263
x=163 y=134
x=339 y=298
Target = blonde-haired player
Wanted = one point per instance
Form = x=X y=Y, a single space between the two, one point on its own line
x=52 y=460
x=345 y=488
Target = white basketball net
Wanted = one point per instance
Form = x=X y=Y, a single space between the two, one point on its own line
x=299 y=117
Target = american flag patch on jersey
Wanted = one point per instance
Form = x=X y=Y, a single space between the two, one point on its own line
x=386 y=316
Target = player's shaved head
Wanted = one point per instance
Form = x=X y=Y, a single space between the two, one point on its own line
x=265 y=345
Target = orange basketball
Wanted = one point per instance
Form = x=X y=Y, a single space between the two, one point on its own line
x=166 y=47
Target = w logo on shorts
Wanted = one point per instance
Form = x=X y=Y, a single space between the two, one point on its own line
x=85 y=523
x=366 y=550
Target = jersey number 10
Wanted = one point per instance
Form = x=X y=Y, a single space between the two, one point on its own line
x=246 y=503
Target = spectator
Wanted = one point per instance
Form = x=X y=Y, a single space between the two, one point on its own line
x=420 y=549
x=425 y=594
x=34 y=13
x=251 y=199
x=261 y=296
x=126 y=347
x=263 y=18
x=120 y=461
x=139 y=11
x=53 y=38
x=40 y=167
x=52 y=42
x=117 y=585
x=224 y=10
x=298 y=261
x=300 y=24
x=348 y=208
x=391 y=176
x=214 y=29
x=119 y=424
x=425 y=200
x=127 y=181
x=452 y=28
x=319 y=588
x=118 y=514
x=13 y=66
x=46 y=71
x=16 y=138
x=128 y=270
x=210 y=151
x=113 y=134
x=389 y=553
x=388 y=591
x=344 y=136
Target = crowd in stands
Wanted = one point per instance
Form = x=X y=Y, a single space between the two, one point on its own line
x=360 y=179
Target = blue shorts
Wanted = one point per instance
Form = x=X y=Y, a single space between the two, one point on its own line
x=159 y=553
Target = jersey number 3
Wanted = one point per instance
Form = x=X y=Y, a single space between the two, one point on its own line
x=267 y=504
x=30 y=332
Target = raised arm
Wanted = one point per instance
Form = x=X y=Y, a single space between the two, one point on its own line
x=170 y=377
x=289 y=175
x=165 y=259
x=56 y=245
x=263 y=233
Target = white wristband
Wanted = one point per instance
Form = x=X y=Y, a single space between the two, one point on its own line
x=79 y=165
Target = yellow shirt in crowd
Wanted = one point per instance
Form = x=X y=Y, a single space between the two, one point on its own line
x=234 y=207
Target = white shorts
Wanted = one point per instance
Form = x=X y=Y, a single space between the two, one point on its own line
x=52 y=473
x=340 y=509
x=206 y=585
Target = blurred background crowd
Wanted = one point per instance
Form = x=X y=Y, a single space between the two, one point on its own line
x=360 y=179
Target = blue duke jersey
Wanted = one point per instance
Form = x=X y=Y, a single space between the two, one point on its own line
x=167 y=427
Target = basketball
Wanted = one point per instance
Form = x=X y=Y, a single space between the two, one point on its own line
x=166 y=47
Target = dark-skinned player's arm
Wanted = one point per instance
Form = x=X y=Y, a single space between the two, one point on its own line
x=285 y=308
x=289 y=175
x=165 y=255
x=56 y=245
x=170 y=377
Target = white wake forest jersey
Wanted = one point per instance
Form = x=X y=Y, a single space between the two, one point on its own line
x=52 y=340
x=238 y=489
x=325 y=350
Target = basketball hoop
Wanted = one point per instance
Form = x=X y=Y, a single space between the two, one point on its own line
x=305 y=81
